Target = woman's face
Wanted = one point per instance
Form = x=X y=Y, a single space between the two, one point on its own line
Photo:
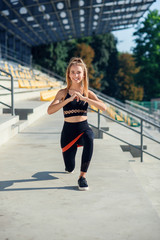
x=76 y=74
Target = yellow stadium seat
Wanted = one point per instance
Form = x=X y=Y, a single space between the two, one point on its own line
x=22 y=74
x=27 y=84
x=54 y=84
x=48 y=95
x=21 y=84
x=6 y=67
x=29 y=75
x=24 y=83
x=33 y=84
x=112 y=113
x=12 y=71
x=94 y=108
x=17 y=73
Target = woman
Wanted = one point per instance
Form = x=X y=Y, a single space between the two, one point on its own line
x=74 y=100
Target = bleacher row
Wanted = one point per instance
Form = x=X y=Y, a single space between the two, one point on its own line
x=121 y=117
x=31 y=79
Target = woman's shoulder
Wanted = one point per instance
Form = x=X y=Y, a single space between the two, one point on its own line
x=62 y=93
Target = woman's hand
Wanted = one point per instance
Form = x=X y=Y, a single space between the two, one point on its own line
x=79 y=96
x=73 y=96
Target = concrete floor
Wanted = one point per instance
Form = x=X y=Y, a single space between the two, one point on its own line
x=40 y=201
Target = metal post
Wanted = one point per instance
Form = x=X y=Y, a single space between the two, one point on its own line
x=12 y=95
x=141 y=140
x=98 y=123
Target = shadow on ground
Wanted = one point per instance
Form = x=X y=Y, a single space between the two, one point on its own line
x=40 y=176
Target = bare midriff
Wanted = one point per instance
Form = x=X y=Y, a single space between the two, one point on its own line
x=75 y=119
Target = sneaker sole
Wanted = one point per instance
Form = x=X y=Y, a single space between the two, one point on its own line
x=69 y=172
x=83 y=188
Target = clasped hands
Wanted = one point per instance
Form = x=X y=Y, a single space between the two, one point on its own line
x=78 y=96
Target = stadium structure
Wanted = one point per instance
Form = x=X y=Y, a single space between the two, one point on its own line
x=27 y=23
x=39 y=200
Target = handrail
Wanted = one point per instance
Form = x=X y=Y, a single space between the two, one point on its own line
x=127 y=111
x=148 y=115
x=12 y=93
x=145 y=115
x=142 y=119
x=137 y=105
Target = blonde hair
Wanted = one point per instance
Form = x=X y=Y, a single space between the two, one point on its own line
x=79 y=62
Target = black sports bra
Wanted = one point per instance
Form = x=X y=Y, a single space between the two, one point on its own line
x=75 y=108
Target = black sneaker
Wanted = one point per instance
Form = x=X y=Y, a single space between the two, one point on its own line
x=82 y=184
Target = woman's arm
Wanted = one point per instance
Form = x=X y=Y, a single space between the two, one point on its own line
x=58 y=102
x=92 y=99
x=95 y=101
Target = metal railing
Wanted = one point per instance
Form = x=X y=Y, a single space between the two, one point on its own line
x=12 y=92
x=141 y=111
x=153 y=116
x=141 y=119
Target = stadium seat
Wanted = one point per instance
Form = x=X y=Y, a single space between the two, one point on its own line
x=27 y=78
x=24 y=83
x=54 y=84
x=112 y=113
x=6 y=67
x=94 y=108
x=12 y=71
x=48 y=95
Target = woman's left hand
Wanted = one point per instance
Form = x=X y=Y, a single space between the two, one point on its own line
x=79 y=97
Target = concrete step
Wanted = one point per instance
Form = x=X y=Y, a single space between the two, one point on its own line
x=7 y=127
x=26 y=113
x=25 y=108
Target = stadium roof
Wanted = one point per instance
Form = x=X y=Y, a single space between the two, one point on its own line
x=38 y=22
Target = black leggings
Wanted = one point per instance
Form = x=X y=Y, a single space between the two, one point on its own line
x=74 y=135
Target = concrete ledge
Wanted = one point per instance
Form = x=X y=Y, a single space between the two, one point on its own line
x=27 y=112
x=6 y=127
x=6 y=120
x=97 y=133
x=133 y=150
x=22 y=113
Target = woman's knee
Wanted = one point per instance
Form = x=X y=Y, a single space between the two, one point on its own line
x=69 y=160
x=70 y=168
x=69 y=165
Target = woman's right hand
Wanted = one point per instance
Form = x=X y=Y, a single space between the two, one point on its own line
x=74 y=96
